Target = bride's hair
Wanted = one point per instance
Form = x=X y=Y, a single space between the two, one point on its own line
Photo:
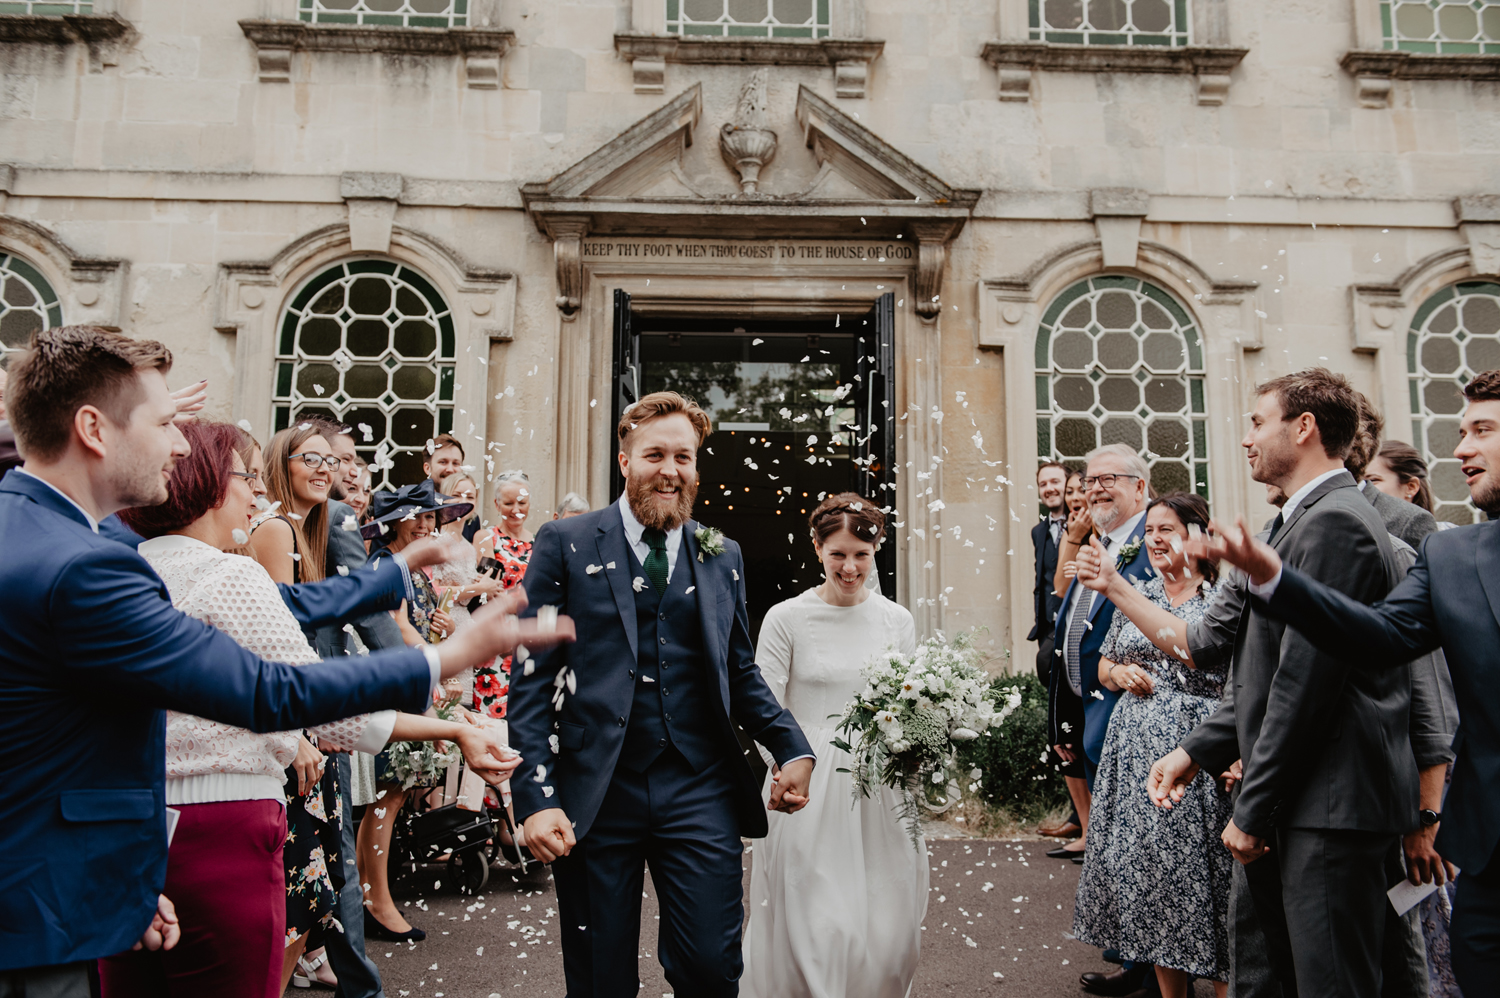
x=847 y=511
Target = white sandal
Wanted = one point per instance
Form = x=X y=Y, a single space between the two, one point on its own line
x=306 y=974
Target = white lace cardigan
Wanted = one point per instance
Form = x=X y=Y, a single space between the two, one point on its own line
x=208 y=761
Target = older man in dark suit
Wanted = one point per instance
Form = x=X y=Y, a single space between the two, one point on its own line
x=1329 y=777
x=1450 y=599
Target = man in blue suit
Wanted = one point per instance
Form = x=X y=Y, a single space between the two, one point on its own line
x=95 y=652
x=1118 y=485
x=643 y=766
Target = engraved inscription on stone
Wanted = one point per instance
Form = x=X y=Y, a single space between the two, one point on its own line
x=661 y=249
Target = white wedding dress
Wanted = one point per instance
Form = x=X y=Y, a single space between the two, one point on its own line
x=837 y=890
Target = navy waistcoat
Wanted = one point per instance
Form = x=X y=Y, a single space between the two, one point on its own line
x=672 y=701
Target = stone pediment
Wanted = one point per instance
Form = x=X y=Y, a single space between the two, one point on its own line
x=846 y=182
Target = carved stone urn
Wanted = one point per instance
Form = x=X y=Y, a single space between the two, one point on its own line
x=746 y=143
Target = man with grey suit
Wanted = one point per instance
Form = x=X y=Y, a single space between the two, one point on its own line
x=1330 y=782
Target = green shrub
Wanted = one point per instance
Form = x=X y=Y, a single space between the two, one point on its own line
x=1017 y=779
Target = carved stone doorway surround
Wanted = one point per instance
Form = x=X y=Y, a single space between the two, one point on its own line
x=871 y=221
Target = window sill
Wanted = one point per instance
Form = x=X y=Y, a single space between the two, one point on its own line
x=1016 y=62
x=1374 y=71
x=275 y=41
x=649 y=55
x=62 y=29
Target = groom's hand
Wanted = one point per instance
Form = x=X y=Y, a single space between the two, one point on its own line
x=789 y=786
x=549 y=834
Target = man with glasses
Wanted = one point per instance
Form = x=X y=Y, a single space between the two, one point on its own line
x=1118 y=486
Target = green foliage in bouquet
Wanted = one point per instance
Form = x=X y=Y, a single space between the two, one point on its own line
x=414 y=763
x=906 y=728
x=1017 y=776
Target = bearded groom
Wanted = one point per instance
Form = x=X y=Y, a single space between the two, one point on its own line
x=632 y=733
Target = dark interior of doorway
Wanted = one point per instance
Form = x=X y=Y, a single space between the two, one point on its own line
x=782 y=436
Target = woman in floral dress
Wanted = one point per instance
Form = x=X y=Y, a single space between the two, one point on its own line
x=1155 y=882
x=509 y=544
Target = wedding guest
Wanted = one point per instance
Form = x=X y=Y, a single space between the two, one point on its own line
x=1400 y=472
x=445 y=456
x=467 y=585
x=1051 y=482
x=1402 y=519
x=1155 y=886
x=837 y=893
x=400 y=519
x=1078 y=529
x=1441 y=602
x=224 y=865
x=509 y=544
x=92 y=412
x=571 y=505
x=357 y=492
x=1064 y=708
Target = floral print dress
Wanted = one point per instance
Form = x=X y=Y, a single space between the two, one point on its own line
x=492 y=682
x=1155 y=882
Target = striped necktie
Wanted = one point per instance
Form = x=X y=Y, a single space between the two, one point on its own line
x=1077 y=626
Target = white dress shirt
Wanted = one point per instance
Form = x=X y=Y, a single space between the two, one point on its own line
x=634 y=531
x=1265 y=591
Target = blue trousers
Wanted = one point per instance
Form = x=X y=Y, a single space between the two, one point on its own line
x=1475 y=931
x=357 y=975
x=683 y=826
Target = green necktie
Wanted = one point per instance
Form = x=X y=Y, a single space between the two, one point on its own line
x=656 y=562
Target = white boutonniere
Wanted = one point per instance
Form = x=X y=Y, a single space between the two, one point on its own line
x=1127 y=553
x=710 y=542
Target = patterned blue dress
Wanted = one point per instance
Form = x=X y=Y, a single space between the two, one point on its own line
x=1155 y=883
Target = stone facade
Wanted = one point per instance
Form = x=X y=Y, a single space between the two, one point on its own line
x=180 y=170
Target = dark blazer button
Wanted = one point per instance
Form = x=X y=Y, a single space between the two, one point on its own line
x=666 y=693
x=662 y=640
x=621 y=720
x=667 y=716
x=662 y=742
x=631 y=673
x=663 y=616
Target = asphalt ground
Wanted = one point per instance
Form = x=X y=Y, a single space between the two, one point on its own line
x=998 y=923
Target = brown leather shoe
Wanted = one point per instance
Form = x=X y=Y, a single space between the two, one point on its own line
x=1061 y=830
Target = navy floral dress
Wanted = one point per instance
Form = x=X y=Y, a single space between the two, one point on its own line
x=1155 y=882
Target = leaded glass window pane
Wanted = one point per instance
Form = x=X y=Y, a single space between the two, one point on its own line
x=1454 y=336
x=46 y=8
x=390 y=13
x=749 y=18
x=362 y=342
x=1110 y=22
x=1452 y=27
x=1119 y=361
x=27 y=304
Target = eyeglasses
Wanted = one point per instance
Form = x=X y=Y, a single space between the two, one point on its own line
x=315 y=461
x=248 y=476
x=1105 y=481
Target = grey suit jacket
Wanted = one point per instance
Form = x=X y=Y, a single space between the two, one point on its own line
x=1324 y=745
x=1405 y=520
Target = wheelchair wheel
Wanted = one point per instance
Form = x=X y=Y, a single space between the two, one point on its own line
x=470 y=870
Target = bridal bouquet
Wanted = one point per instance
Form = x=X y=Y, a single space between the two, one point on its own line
x=908 y=721
x=420 y=763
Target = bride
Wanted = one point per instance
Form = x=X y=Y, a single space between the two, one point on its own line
x=837 y=890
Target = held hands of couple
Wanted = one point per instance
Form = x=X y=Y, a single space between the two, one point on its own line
x=484 y=750
x=495 y=630
x=789 y=786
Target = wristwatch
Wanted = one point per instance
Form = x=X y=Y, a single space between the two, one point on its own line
x=1429 y=817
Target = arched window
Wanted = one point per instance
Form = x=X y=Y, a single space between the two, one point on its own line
x=27 y=303
x=1119 y=360
x=1453 y=336
x=370 y=342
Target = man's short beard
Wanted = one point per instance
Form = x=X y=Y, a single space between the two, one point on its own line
x=638 y=492
x=1276 y=465
x=1487 y=496
x=1105 y=520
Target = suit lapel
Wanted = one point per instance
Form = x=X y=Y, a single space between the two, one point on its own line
x=706 y=580
x=1342 y=480
x=613 y=549
x=1487 y=554
x=44 y=495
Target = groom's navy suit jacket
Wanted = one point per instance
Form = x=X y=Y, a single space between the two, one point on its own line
x=1098 y=702
x=591 y=727
x=1450 y=598
x=91 y=652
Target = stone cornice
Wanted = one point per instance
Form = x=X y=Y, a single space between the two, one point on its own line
x=1374 y=70
x=61 y=29
x=649 y=54
x=275 y=40
x=1016 y=61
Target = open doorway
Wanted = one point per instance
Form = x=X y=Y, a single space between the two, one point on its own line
x=801 y=408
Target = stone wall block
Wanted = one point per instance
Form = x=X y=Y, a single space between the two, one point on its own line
x=370 y=222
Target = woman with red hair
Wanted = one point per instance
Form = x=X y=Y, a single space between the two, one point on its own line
x=224 y=865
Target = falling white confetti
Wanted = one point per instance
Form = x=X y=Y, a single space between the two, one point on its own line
x=240 y=537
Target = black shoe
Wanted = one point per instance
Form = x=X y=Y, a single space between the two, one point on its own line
x=1115 y=984
x=1062 y=852
x=1078 y=858
x=375 y=930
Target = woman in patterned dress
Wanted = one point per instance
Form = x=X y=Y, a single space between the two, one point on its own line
x=509 y=544
x=1155 y=882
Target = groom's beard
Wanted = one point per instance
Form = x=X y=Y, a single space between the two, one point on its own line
x=640 y=493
